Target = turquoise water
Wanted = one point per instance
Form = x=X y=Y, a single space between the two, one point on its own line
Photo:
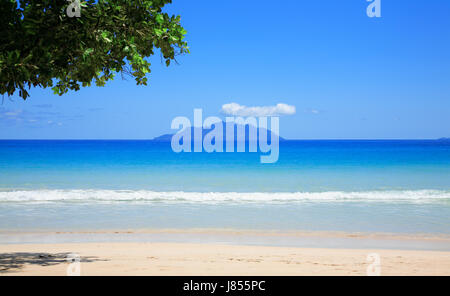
x=369 y=186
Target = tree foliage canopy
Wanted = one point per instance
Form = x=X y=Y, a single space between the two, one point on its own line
x=40 y=45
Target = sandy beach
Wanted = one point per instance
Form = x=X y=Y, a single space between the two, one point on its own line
x=212 y=259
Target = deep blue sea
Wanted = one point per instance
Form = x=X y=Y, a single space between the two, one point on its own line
x=352 y=186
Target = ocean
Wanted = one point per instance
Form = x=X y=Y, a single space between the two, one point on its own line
x=351 y=186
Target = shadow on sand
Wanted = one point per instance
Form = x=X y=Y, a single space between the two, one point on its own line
x=13 y=262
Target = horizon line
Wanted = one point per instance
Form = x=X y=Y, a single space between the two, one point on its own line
x=284 y=139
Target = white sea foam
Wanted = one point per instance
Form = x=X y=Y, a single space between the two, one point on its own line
x=408 y=196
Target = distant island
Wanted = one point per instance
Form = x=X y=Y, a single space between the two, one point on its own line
x=168 y=137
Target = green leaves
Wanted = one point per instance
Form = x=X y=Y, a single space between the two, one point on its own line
x=41 y=46
x=88 y=51
x=159 y=19
x=105 y=36
x=158 y=32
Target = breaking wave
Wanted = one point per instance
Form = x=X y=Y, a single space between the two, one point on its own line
x=408 y=196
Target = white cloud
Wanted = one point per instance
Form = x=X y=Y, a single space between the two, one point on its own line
x=234 y=109
x=32 y=119
x=13 y=113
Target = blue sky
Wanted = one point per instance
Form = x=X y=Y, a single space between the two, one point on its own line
x=349 y=76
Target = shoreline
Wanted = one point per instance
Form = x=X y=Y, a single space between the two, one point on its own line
x=213 y=259
x=221 y=252
x=264 y=238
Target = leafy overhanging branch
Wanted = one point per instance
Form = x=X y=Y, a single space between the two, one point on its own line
x=41 y=46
